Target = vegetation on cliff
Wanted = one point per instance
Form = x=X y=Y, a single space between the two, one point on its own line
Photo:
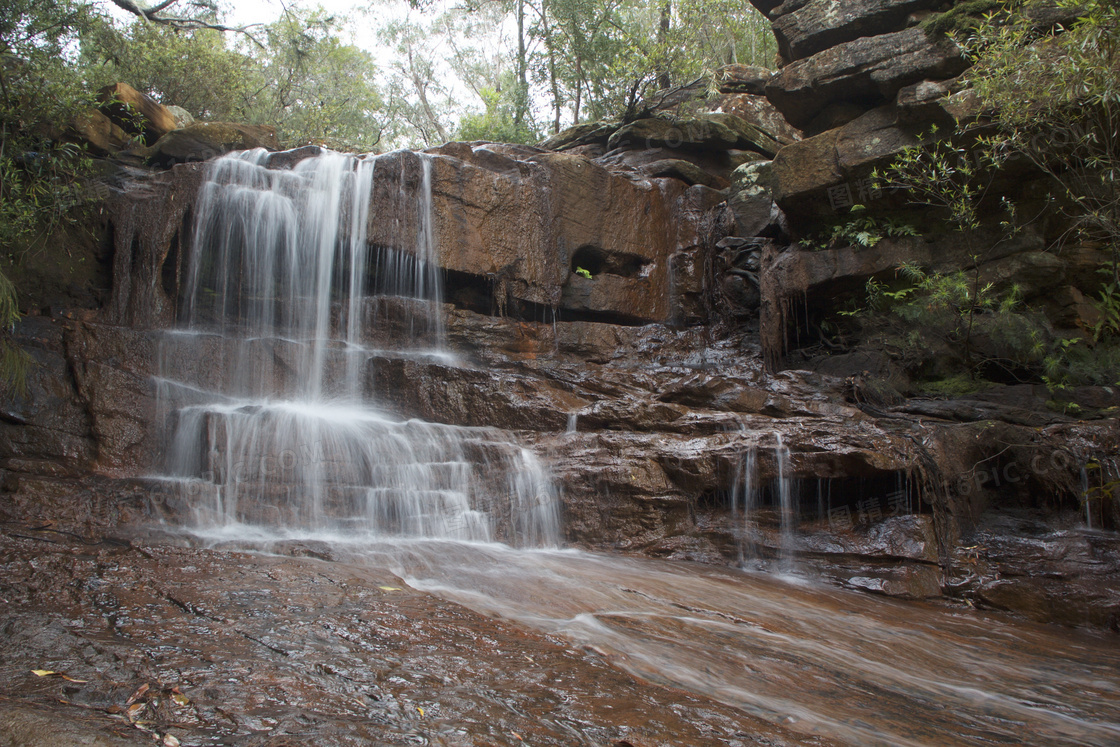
x=1050 y=119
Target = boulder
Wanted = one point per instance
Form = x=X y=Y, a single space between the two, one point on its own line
x=807 y=168
x=743 y=79
x=767 y=7
x=845 y=156
x=103 y=135
x=751 y=198
x=836 y=114
x=751 y=137
x=700 y=133
x=588 y=133
x=759 y=112
x=183 y=118
x=136 y=113
x=870 y=69
x=821 y=24
x=206 y=140
x=872 y=140
x=688 y=173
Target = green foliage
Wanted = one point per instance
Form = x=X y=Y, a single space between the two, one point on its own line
x=583 y=273
x=955 y=386
x=949 y=311
x=961 y=17
x=948 y=177
x=1085 y=365
x=297 y=76
x=860 y=229
x=39 y=175
x=1108 y=306
x=498 y=123
x=13 y=361
x=192 y=69
x=313 y=87
x=1054 y=99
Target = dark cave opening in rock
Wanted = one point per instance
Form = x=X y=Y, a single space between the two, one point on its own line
x=485 y=294
x=596 y=261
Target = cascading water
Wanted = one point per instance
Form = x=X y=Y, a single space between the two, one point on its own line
x=785 y=501
x=745 y=486
x=262 y=386
x=746 y=489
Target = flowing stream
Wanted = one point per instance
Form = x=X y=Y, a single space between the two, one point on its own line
x=270 y=435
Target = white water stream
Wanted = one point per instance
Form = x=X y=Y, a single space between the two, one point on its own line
x=268 y=425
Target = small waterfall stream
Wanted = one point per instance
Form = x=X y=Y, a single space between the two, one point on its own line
x=262 y=386
x=747 y=490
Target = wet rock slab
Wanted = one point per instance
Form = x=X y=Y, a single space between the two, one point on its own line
x=218 y=647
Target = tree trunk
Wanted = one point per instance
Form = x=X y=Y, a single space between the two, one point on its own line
x=663 y=80
x=521 y=99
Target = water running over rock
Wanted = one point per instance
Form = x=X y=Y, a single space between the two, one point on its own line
x=271 y=427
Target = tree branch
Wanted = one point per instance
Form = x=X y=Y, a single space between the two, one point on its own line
x=155 y=15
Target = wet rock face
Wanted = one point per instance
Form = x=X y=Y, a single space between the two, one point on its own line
x=1030 y=563
x=146 y=631
x=526 y=221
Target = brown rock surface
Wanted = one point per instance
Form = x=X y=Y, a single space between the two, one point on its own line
x=205 y=140
x=870 y=70
x=821 y=24
x=137 y=113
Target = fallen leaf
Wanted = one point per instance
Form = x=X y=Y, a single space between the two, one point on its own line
x=134 y=710
x=137 y=695
x=420 y=709
x=389 y=588
x=179 y=698
x=49 y=673
x=518 y=736
x=170 y=741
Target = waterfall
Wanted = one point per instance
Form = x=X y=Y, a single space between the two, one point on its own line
x=785 y=500
x=745 y=487
x=262 y=385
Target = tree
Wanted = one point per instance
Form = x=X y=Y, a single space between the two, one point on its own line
x=296 y=75
x=416 y=98
x=312 y=86
x=199 y=14
x=39 y=176
x=1054 y=97
x=194 y=69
